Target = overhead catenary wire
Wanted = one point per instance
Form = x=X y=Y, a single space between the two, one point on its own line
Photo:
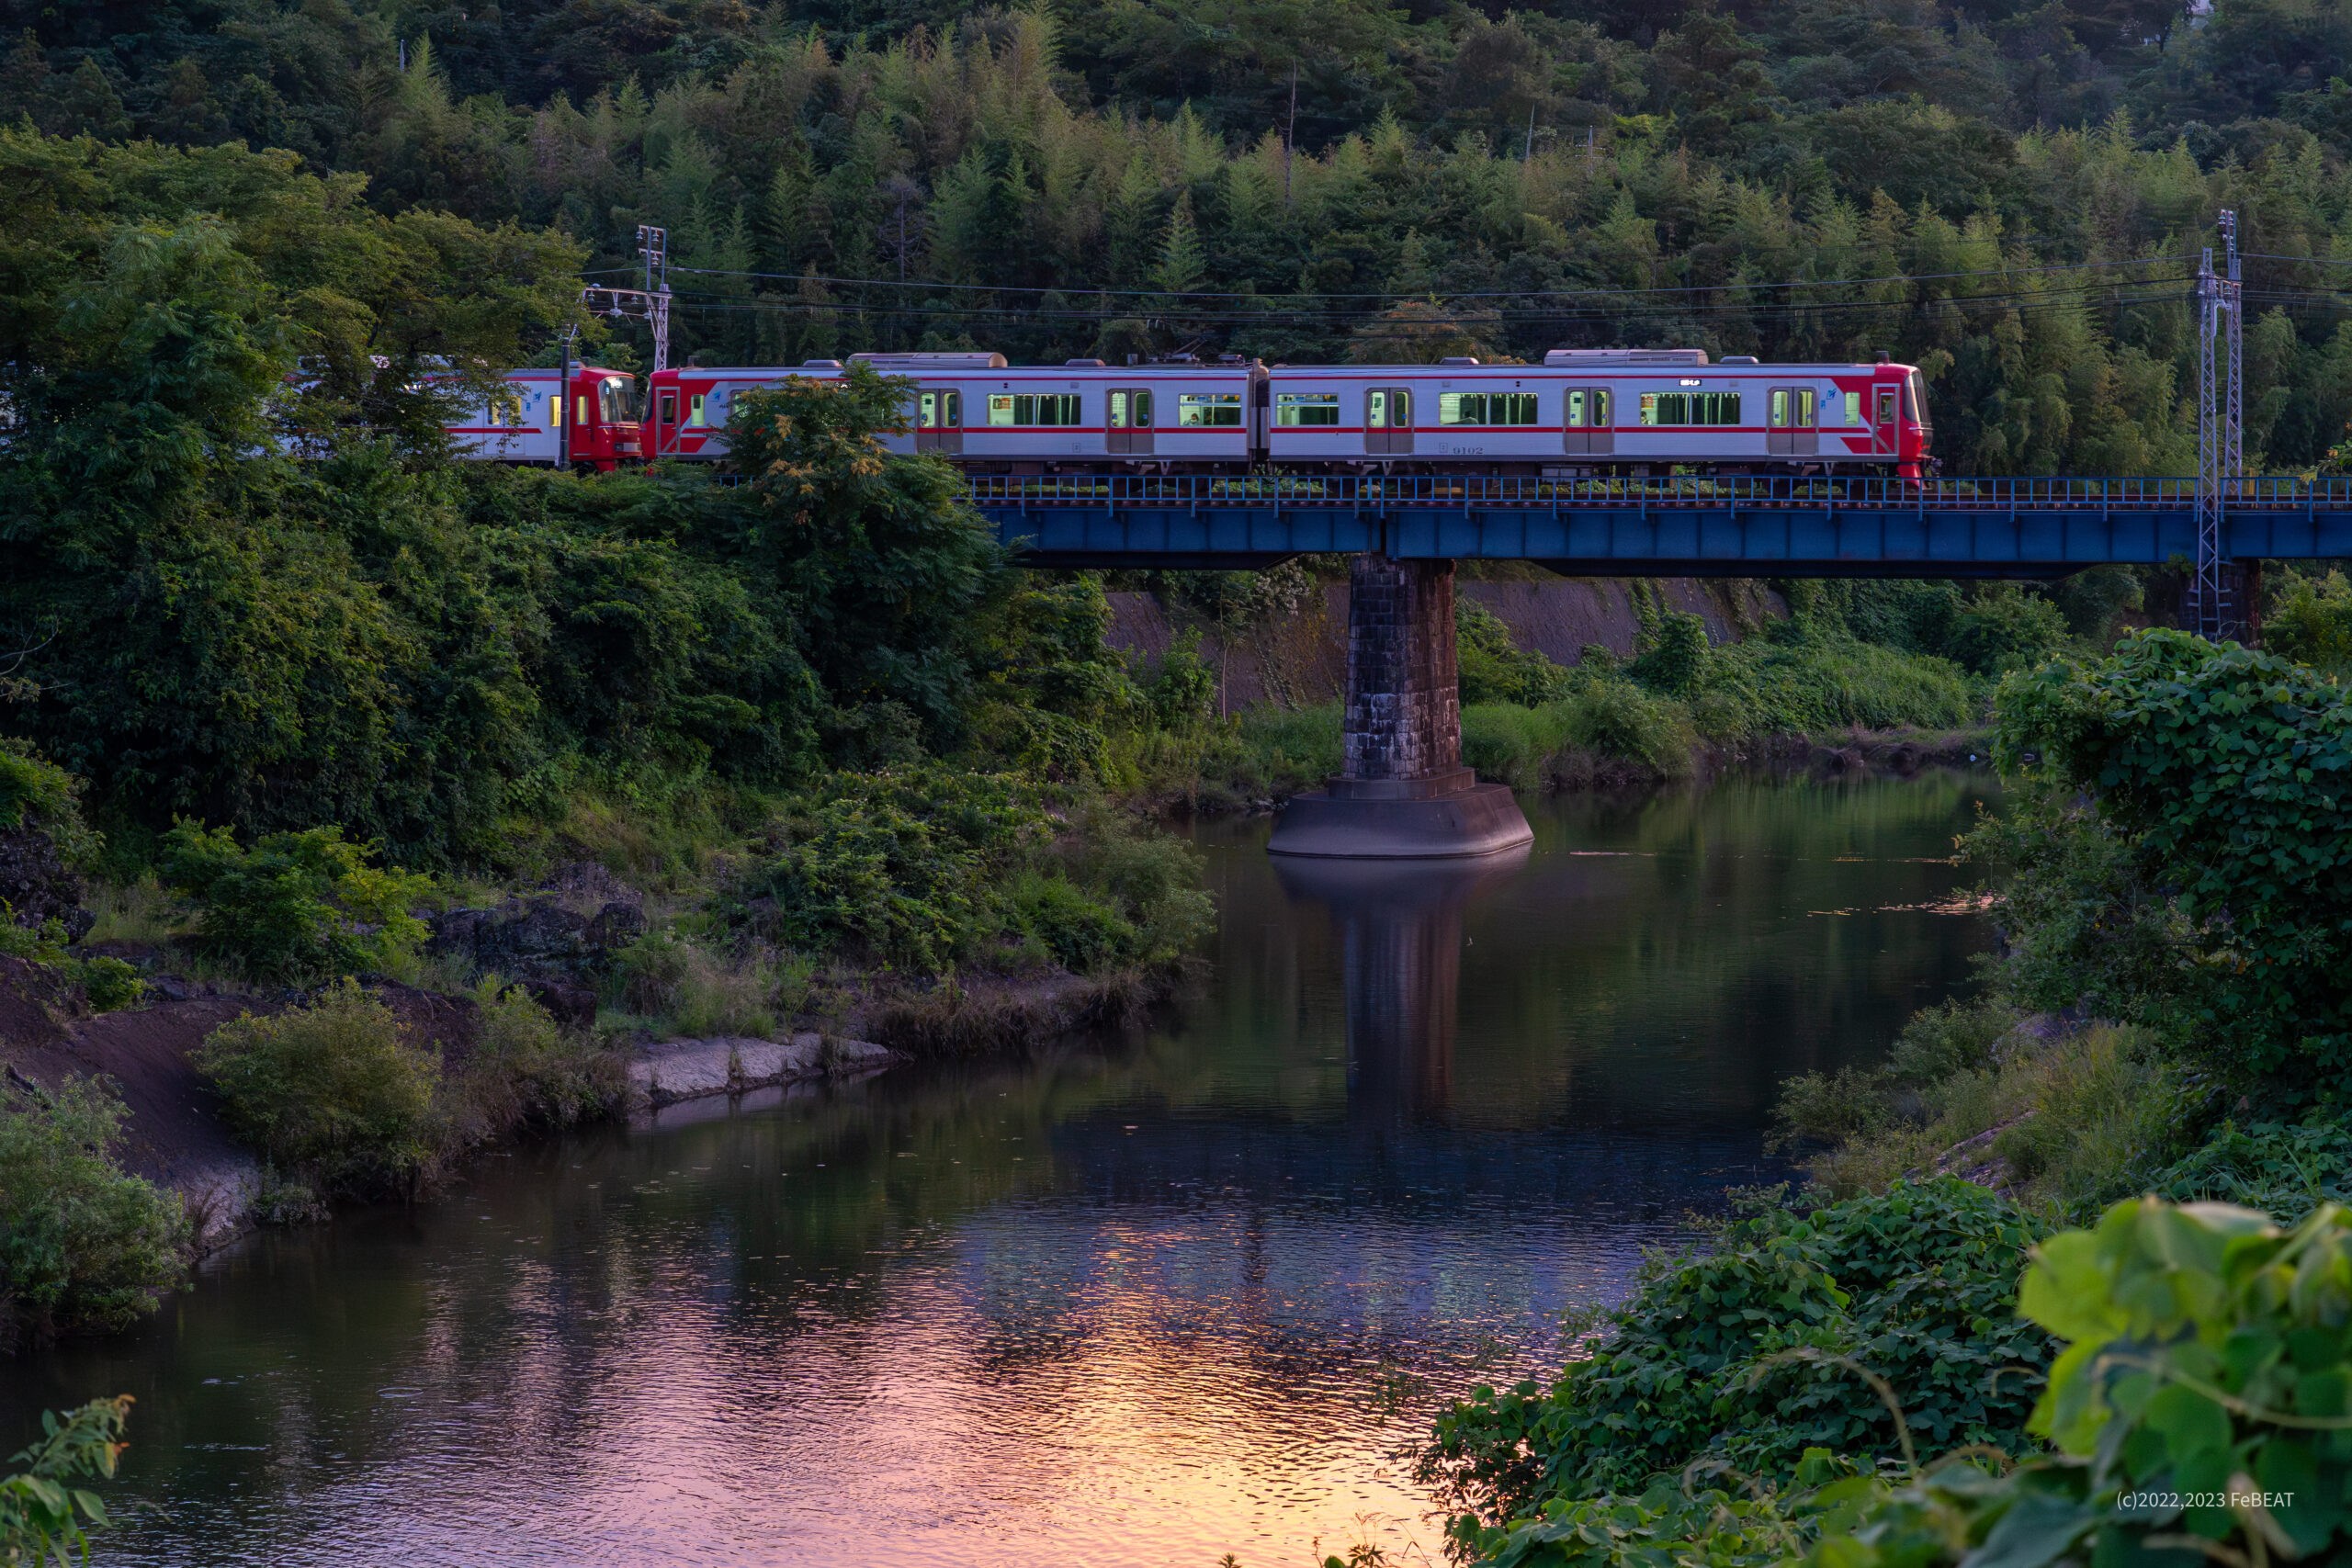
x=1142 y=293
x=1280 y=315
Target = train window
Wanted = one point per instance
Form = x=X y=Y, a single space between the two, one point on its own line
x=616 y=399
x=693 y=410
x=1887 y=405
x=1025 y=408
x=579 y=414
x=669 y=408
x=1853 y=408
x=1689 y=408
x=1212 y=409
x=1306 y=407
x=1918 y=384
x=1485 y=408
x=1131 y=409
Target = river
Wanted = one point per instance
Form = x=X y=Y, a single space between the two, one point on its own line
x=1158 y=1298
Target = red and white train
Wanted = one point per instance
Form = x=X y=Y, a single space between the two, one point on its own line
x=1581 y=412
x=522 y=425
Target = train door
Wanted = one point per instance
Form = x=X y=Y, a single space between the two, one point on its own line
x=1791 y=430
x=665 y=421
x=1884 y=404
x=939 y=422
x=1128 y=433
x=1387 y=421
x=582 y=445
x=1585 y=423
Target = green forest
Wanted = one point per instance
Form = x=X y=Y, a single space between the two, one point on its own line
x=2011 y=196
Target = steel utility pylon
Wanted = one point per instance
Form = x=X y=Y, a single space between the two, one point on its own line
x=2217 y=586
x=650 y=304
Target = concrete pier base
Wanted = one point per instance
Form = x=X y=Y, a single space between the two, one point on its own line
x=1481 y=821
x=1405 y=794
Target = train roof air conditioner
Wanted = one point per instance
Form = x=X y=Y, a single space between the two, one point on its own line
x=1598 y=358
x=965 y=361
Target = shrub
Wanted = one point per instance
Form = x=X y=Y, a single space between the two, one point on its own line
x=2003 y=627
x=2204 y=890
x=1677 y=661
x=1184 y=689
x=2312 y=622
x=85 y=1246
x=1719 y=1357
x=107 y=984
x=332 y=1090
x=2202 y=1409
x=1085 y=934
x=526 y=1071
x=1491 y=666
x=297 y=907
x=906 y=866
x=1617 y=718
x=694 y=990
x=36 y=792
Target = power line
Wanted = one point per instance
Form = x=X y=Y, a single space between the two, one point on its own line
x=1472 y=294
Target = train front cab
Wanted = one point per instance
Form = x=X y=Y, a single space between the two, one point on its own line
x=606 y=430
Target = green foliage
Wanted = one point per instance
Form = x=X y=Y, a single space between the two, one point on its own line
x=525 y=1070
x=906 y=866
x=107 y=984
x=2310 y=621
x=33 y=789
x=1493 y=666
x=1617 y=718
x=2282 y=1170
x=1814 y=683
x=85 y=1248
x=2004 y=628
x=334 y=1091
x=883 y=562
x=1730 y=1356
x=2204 y=890
x=42 y=1514
x=1676 y=660
x=1507 y=743
x=300 y=906
x=1183 y=691
x=111 y=984
x=1084 y=934
x=935 y=868
x=695 y=990
x=2208 y=1348
x=2202 y=1404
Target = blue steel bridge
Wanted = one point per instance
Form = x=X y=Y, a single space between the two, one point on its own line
x=1672 y=527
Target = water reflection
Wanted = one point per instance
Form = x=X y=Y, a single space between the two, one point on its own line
x=1401 y=936
x=1181 y=1294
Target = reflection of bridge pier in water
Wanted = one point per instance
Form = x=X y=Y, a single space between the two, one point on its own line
x=1400 y=924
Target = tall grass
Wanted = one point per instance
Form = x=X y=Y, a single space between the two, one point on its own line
x=1212 y=764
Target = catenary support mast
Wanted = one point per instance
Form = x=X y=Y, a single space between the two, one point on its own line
x=2217 y=605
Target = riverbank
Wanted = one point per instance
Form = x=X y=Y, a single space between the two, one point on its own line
x=1322 y=1196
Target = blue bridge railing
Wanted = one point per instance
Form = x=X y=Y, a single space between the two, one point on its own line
x=2017 y=526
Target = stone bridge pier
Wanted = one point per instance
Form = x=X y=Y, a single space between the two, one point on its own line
x=1403 y=792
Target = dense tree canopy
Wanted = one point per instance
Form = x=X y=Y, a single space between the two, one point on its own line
x=1051 y=180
